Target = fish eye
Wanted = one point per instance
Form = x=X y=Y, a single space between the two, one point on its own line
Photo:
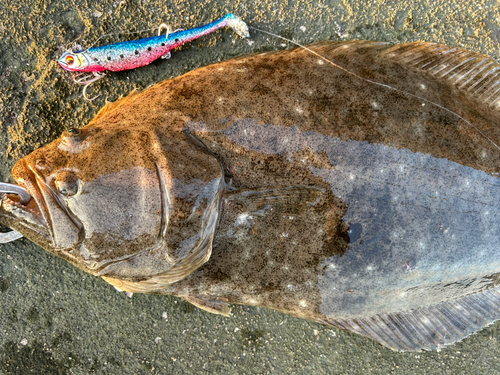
x=66 y=192
x=67 y=189
x=73 y=131
x=67 y=183
x=70 y=60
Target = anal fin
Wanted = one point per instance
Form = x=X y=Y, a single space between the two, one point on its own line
x=428 y=328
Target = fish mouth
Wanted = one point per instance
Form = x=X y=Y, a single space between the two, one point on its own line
x=21 y=209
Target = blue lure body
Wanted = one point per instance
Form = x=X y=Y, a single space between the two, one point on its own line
x=136 y=53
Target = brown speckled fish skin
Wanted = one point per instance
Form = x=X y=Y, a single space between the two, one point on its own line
x=282 y=181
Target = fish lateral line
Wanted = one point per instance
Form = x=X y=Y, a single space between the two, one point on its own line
x=323 y=58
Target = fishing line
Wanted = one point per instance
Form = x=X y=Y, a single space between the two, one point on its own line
x=379 y=83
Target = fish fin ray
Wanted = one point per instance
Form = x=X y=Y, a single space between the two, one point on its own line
x=473 y=73
x=289 y=199
x=211 y=305
x=428 y=328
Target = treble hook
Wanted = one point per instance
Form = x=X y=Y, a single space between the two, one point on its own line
x=87 y=80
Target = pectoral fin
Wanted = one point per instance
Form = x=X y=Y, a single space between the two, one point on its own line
x=211 y=305
x=292 y=199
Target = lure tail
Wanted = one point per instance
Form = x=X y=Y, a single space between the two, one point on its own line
x=235 y=23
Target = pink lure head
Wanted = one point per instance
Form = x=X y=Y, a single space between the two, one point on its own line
x=78 y=62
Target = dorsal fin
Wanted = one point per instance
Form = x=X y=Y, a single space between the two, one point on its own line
x=428 y=328
x=473 y=73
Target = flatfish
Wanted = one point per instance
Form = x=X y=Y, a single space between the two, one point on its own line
x=354 y=184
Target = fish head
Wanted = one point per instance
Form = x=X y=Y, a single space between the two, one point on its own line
x=122 y=202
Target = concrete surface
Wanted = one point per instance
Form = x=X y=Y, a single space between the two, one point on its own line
x=54 y=319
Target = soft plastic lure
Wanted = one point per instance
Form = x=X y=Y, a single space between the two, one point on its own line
x=136 y=53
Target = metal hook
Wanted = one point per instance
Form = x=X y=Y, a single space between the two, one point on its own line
x=24 y=195
x=86 y=81
x=164 y=26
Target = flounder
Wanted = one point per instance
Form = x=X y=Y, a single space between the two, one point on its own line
x=356 y=186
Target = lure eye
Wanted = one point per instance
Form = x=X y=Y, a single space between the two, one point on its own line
x=70 y=60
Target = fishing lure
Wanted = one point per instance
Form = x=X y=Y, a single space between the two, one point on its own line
x=137 y=53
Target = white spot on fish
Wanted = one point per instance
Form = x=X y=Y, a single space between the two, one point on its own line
x=284 y=234
x=422 y=86
x=302 y=28
x=242 y=219
x=157 y=340
x=299 y=110
x=303 y=303
x=24 y=342
x=321 y=62
x=375 y=105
